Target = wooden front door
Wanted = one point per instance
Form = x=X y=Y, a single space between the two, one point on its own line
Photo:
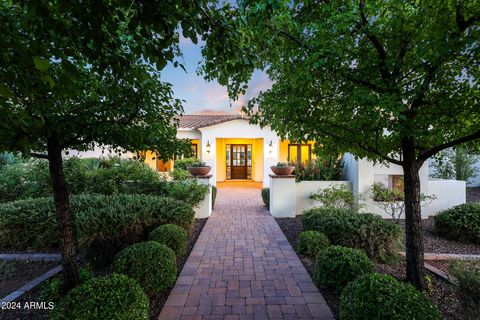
x=239 y=161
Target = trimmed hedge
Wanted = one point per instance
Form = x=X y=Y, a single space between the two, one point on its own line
x=311 y=242
x=103 y=223
x=461 y=223
x=380 y=239
x=113 y=297
x=266 y=197
x=377 y=296
x=336 y=266
x=172 y=236
x=52 y=289
x=152 y=264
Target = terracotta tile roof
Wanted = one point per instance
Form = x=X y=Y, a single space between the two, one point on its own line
x=195 y=121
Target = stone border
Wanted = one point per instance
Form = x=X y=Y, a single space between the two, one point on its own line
x=30 y=256
x=30 y=285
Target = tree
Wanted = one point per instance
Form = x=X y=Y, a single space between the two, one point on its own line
x=458 y=163
x=392 y=81
x=76 y=74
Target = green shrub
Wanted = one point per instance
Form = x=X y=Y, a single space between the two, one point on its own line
x=460 y=223
x=468 y=287
x=152 y=264
x=113 y=297
x=311 y=242
x=179 y=174
x=183 y=164
x=338 y=196
x=377 y=296
x=336 y=266
x=189 y=191
x=319 y=170
x=214 y=196
x=30 y=178
x=380 y=239
x=104 y=224
x=266 y=197
x=172 y=236
x=51 y=290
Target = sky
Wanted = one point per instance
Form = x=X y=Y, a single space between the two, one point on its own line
x=200 y=95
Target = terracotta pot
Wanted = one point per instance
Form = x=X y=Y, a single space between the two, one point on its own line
x=199 y=171
x=282 y=171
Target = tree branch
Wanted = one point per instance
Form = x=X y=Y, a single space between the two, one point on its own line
x=382 y=54
x=423 y=156
x=461 y=22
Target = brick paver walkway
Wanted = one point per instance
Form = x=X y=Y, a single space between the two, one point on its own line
x=242 y=267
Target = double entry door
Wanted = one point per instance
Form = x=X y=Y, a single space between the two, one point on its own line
x=239 y=161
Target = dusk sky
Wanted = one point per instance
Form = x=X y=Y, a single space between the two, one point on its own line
x=202 y=95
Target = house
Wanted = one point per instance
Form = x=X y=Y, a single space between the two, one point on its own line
x=238 y=150
x=234 y=148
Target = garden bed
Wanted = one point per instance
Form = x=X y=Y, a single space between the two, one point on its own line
x=156 y=304
x=434 y=244
x=440 y=293
x=15 y=274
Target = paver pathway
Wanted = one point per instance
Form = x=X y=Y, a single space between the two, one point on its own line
x=242 y=267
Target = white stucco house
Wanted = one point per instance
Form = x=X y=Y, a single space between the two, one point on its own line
x=238 y=150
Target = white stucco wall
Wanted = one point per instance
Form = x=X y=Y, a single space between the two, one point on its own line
x=448 y=193
x=304 y=189
x=366 y=177
x=97 y=152
x=189 y=134
x=240 y=129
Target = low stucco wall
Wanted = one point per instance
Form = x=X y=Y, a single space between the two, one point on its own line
x=448 y=193
x=289 y=198
x=304 y=189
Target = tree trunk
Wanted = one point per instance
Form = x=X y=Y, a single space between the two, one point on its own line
x=413 y=229
x=66 y=228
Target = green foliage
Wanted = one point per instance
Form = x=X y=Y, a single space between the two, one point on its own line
x=311 y=242
x=52 y=289
x=30 y=178
x=458 y=164
x=172 y=236
x=179 y=174
x=379 y=296
x=214 y=196
x=183 y=164
x=468 y=287
x=111 y=297
x=282 y=164
x=461 y=223
x=104 y=224
x=152 y=264
x=319 y=170
x=189 y=191
x=392 y=200
x=336 y=266
x=337 y=196
x=266 y=197
x=197 y=163
x=380 y=239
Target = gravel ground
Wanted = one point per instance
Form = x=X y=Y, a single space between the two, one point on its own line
x=435 y=244
x=156 y=303
x=441 y=293
x=473 y=194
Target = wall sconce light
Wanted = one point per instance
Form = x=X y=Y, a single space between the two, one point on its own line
x=207 y=147
x=270 y=147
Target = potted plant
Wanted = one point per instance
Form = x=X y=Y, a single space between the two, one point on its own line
x=199 y=168
x=283 y=169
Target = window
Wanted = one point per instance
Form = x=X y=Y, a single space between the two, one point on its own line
x=299 y=153
x=195 y=150
x=389 y=183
